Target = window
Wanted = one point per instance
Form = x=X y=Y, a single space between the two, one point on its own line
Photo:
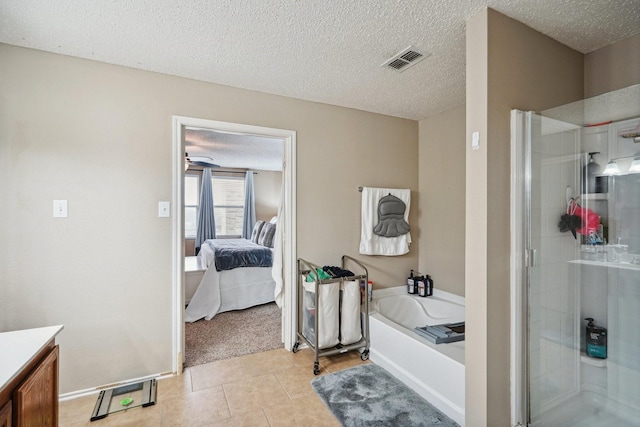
x=191 y=201
x=228 y=205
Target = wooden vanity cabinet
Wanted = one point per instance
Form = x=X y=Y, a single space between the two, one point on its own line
x=35 y=401
x=5 y=415
x=31 y=398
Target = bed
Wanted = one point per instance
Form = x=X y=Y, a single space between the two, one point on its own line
x=234 y=284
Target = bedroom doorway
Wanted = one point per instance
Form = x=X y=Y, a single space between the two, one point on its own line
x=288 y=137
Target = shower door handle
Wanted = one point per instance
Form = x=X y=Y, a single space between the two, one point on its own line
x=532 y=258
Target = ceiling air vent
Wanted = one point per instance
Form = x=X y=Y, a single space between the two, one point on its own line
x=403 y=60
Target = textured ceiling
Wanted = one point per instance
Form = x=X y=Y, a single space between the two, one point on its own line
x=324 y=51
x=231 y=150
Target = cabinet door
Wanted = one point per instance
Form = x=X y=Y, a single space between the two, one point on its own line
x=36 y=399
x=5 y=415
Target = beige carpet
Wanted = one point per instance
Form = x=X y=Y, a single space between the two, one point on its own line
x=233 y=333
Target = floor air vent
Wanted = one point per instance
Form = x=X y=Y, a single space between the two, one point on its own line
x=403 y=60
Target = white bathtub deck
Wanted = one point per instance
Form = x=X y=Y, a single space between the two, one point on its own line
x=435 y=371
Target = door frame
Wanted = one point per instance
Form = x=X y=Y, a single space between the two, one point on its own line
x=289 y=307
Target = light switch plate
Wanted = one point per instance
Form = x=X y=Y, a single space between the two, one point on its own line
x=164 y=209
x=475 y=140
x=60 y=209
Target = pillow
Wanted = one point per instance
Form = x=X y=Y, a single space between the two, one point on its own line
x=267 y=235
x=256 y=231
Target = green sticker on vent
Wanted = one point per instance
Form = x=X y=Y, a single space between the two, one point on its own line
x=126 y=401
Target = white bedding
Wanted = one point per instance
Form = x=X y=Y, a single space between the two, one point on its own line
x=227 y=290
x=206 y=256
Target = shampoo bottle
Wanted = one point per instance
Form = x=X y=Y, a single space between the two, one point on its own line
x=596 y=340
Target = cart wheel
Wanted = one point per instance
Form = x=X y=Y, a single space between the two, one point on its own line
x=364 y=355
x=316 y=368
x=295 y=347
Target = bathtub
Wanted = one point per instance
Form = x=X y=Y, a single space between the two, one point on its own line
x=434 y=371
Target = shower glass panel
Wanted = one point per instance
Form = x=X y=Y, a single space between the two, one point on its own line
x=553 y=279
x=581 y=234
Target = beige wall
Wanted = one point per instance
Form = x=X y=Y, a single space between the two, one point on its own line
x=100 y=136
x=352 y=149
x=442 y=199
x=267 y=187
x=613 y=67
x=525 y=70
x=476 y=379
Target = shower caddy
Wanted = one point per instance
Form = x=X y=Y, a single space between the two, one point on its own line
x=312 y=304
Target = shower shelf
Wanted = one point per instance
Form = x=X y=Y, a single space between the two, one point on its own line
x=623 y=266
x=595 y=196
x=598 y=363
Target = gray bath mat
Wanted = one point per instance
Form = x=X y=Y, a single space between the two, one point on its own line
x=367 y=395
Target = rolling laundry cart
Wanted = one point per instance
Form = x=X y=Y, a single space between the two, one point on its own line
x=332 y=316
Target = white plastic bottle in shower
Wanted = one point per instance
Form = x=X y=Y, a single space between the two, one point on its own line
x=589 y=173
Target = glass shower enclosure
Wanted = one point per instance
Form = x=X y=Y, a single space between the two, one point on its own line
x=576 y=256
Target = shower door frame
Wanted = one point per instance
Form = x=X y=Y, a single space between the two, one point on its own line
x=520 y=200
x=524 y=257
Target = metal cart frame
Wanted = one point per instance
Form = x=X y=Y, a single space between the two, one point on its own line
x=306 y=267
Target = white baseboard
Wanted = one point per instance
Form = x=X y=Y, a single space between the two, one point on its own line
x=95 y=390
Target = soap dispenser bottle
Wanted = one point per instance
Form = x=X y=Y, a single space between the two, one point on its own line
x=411 y=284
x=596 y=340
x=589 y=173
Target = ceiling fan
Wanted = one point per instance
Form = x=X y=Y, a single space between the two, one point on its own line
x=206 y=162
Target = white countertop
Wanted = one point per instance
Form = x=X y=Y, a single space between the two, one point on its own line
x=18 y=347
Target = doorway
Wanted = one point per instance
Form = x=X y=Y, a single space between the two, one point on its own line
x=288 y=222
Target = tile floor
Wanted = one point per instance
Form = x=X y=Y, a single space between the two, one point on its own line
x=263 y=389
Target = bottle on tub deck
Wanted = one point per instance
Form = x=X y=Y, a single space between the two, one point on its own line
x=429 y=285
x=411 y=284
x=422 y=286
x=425 y=285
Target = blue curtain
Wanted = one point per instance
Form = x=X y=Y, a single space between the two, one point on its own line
x=206 y=221
x=249 y=220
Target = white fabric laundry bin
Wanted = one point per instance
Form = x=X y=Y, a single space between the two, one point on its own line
x=350 y=328
x=327 y=308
